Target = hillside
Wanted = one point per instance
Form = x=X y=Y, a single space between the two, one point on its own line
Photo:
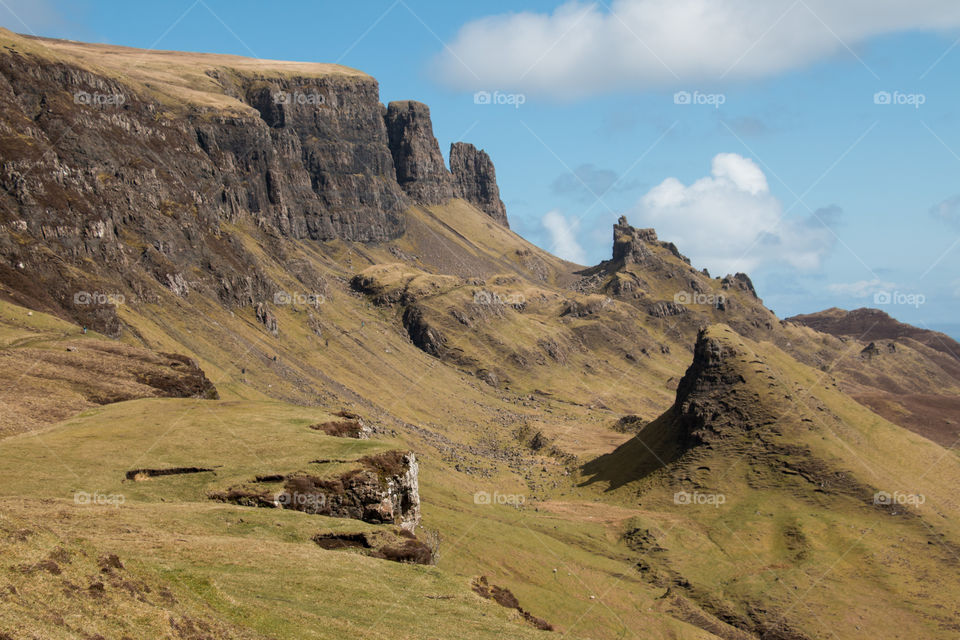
x=273 y=370
x=910 y=376
x=815 y=513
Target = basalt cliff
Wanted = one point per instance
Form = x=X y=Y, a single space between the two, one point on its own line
x=137 y=178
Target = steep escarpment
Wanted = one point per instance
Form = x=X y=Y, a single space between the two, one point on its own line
x=476 y=180
x=776 y=475
x=130 y=182
x=421 y=171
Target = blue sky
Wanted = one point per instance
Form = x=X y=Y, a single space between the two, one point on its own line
x=785 y=163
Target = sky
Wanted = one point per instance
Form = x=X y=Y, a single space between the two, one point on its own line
x=813 y=144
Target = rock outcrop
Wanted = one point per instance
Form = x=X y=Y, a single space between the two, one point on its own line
x=631 y=245
x=475 y=180
x=113 y=181
x=421 y=171
x=739 y=281
x=384 y=489
x=714 y=401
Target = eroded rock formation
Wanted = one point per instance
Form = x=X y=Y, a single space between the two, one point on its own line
x=421 y=171
x=475 y=180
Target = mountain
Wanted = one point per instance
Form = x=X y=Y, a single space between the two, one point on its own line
x=273 y=370
x=813 y=511
x=873 y=325
x=908 y=375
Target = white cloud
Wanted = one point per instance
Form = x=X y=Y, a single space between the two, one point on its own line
x=563 y=237
x=862 y=288
x=583 y=49
x=729 y=220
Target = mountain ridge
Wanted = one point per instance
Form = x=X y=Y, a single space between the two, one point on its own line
x=630 y=446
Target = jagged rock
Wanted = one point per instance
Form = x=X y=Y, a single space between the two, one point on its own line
x=475 y=180
x=666 y=309
x=353 y=427
x=631 y=245
x=706 y=404
x=588 y=307
x=424 y=336
x=384 y=490
x=420 y=168
x=870 y=351
x=739 y=281
x=267 y=319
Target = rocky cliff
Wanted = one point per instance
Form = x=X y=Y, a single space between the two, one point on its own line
x=421 y=171
x=476 y=180
x=120 y=178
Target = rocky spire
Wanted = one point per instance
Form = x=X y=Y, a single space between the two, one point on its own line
x=475 y=180
x=421 y=171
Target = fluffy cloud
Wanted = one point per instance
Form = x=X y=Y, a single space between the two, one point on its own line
x=582 y=49
x=862 y=288
x=563 y=237
x=729 y=221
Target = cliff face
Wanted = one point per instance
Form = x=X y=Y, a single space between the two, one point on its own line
x=476 y=180
x=113 y=182
x=421 y=171
x=630 y=245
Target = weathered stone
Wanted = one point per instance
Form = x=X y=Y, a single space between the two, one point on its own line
x=475 y=180
x=421 y=171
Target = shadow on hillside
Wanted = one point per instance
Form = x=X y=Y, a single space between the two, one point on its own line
x=654 y=447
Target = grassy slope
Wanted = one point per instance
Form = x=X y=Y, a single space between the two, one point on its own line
x=176 y=78
x=813 y=552
x=266 y=576
x=175 y=530
x=262 y=572
x=363 y=362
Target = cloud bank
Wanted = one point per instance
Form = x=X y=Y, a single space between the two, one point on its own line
x=729 y=221
x=583 y=49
